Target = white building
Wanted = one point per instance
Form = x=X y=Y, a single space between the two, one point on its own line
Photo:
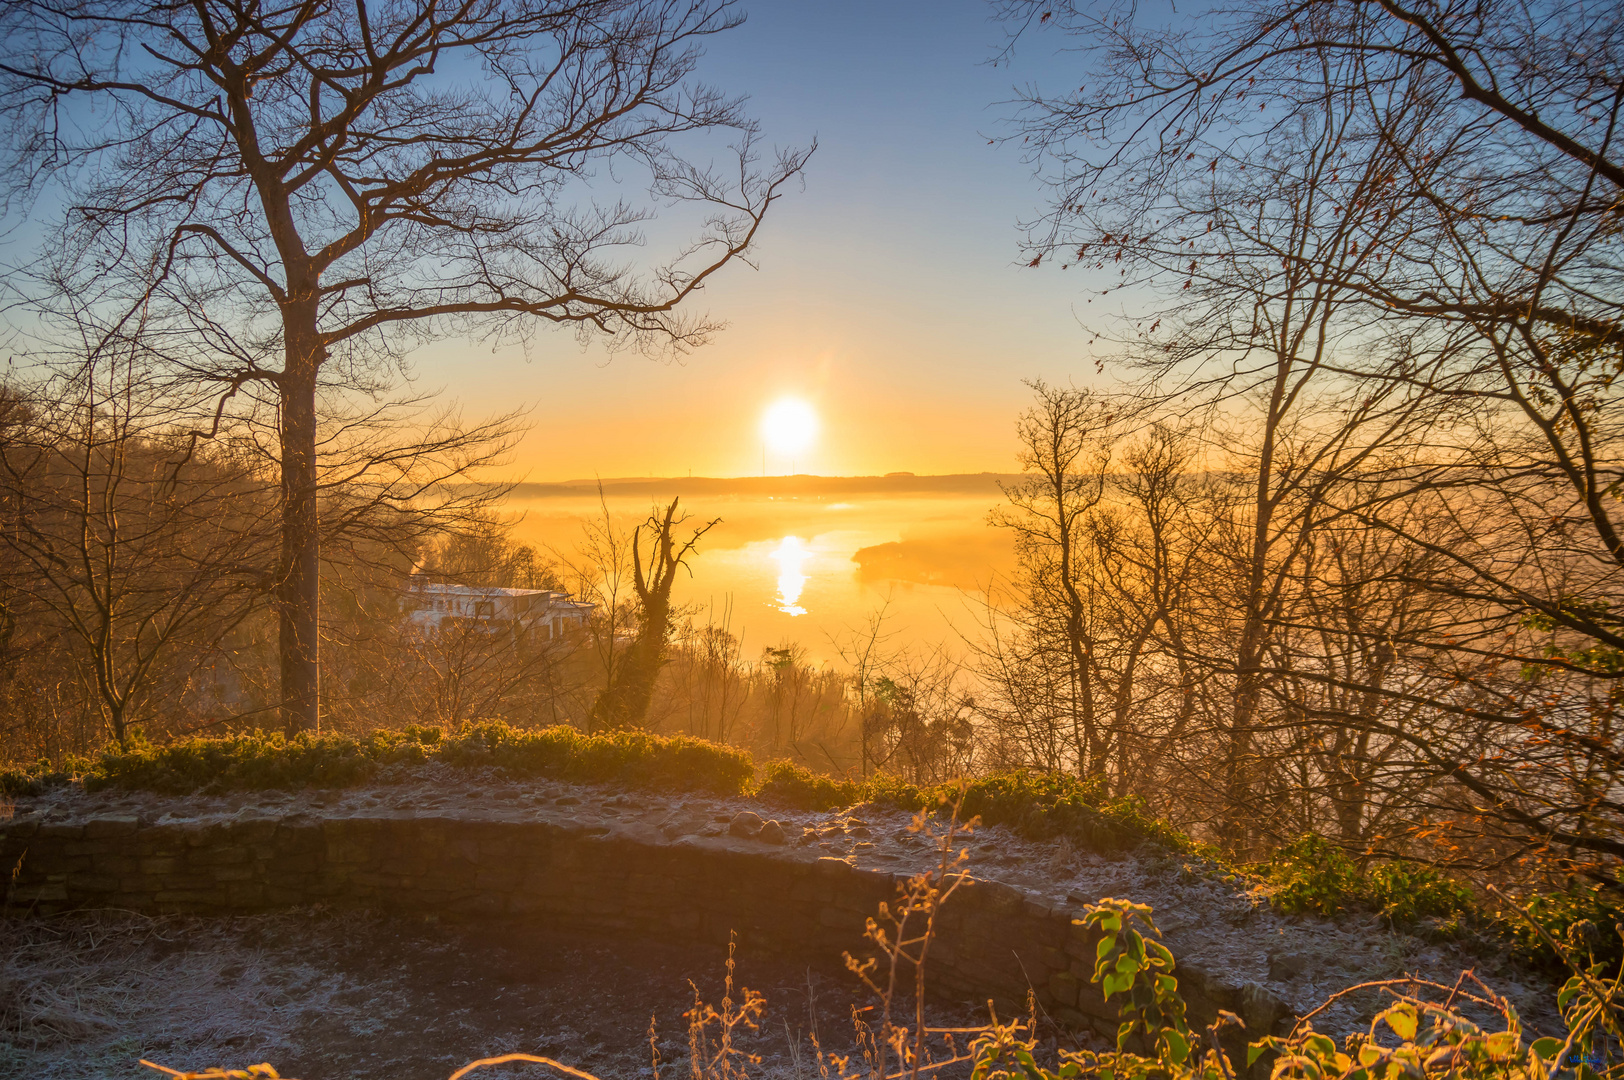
x=431 y=608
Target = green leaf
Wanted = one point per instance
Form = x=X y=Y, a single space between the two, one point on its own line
x=1320 y=1045
x=1402 y=1019
x=1547 y=1047
x=1178 y=1048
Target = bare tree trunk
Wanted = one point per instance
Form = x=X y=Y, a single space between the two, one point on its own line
x=298 y=593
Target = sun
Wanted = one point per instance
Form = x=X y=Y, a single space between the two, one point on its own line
x=789 y=426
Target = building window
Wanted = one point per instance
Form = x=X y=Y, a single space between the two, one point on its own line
x=484 y=609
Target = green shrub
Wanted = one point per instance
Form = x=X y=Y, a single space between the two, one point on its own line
x=252 y=761
x=1042 y=806
x=258 y=760
x=633 y=758
x=1582 y=919
x=785 y=783
x=1407 y=893
x=1422 y=1034
x=34 y=779
x=1311 y=874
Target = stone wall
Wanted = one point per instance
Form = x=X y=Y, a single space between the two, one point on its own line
x=995 y=941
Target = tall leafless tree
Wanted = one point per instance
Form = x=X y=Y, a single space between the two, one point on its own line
x=300 y=191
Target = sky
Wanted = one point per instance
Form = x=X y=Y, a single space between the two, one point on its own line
x=890 y=295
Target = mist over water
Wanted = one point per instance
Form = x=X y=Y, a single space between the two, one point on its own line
x=809 y=560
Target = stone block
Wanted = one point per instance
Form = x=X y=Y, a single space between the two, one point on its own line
x=35 y=893
x=1092 y=1002
x=111 y=825
x=1063 y=985
x=59 y=830
x=160 y=865
x=114 y=862
x=292 y=864
x=1261 y=1009
x=93 y=883
x=237 y=872
x=81 y=847
x=1070 y=1019
x=997 y=899
x=219 y=855
x=254 y=831
x=831 y=867
x=1034 y=908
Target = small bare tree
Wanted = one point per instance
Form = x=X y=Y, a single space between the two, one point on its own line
x=141 y=551
x=1065 y=446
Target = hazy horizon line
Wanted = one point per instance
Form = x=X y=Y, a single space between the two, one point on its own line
x=793 y=483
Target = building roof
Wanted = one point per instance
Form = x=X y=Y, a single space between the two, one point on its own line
x=478 y=590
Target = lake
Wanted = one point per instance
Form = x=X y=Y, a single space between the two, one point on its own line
x=808 y=560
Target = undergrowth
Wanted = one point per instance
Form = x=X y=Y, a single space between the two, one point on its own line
x=1311 y=875
x=257 y=760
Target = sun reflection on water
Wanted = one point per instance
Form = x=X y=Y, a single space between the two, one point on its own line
x=791 y=555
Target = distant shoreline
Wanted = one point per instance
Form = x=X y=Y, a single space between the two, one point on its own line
x=799 y=484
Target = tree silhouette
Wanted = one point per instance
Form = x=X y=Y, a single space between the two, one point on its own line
x=625 y=700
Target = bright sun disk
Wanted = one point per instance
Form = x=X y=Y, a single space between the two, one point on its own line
x=789 y=426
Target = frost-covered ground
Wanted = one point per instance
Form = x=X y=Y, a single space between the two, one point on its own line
x=350 y=996
x=279 y=982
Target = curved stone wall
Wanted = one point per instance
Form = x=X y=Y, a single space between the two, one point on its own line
x=995 y=941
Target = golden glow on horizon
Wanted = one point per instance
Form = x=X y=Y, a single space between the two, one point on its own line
x=791 y=557
x=789 y=426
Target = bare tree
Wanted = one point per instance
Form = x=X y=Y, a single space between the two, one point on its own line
x=711 y=690
x=625 y=700
x=141 y=552
x=1470 y=201
x=301 y=192
x=1065 y=444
